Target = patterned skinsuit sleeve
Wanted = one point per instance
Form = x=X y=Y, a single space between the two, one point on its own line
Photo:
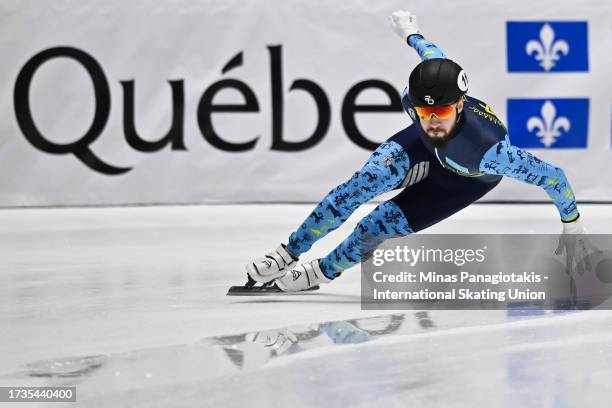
x=507 y=160
x=426 y=49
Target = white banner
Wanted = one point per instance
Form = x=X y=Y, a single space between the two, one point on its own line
x=114 y=102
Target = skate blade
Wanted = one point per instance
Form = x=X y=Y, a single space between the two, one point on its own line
x=263 y=291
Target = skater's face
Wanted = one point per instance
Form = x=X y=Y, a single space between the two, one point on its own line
x=438 y=130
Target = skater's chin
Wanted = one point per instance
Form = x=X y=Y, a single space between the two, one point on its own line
x=438 y=139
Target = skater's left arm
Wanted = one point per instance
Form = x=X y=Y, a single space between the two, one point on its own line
x=505 y=159
x=406 y=26
x=574 y=244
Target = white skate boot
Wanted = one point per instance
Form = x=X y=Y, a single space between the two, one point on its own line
x=304 y=277
x=274 y=265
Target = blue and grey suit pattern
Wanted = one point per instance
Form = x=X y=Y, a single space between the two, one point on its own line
x=507 y=160
x=435 y=183
x=386 y=221
x=426 y=49
x=384 y=171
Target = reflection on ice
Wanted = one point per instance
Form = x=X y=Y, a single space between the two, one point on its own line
x=66 y=367
x=532 y=358
x=259 y=347
x=203 y=360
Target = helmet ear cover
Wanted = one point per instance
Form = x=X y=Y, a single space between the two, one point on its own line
x=436 y=82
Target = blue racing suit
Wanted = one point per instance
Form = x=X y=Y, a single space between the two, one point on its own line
x=435 y=182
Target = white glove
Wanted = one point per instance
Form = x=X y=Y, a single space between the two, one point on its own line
x=577 y=247
x=582 y=260
x=404 y=24
x=574 y=227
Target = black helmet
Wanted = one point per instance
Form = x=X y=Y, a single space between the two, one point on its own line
x=437 y=82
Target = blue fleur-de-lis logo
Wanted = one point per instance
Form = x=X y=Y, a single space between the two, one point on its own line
x=549 y=127
x=547 y=51
x=550 y=123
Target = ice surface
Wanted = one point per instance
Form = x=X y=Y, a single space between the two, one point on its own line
x=129 y=305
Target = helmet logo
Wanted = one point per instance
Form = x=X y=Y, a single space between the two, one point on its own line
x=462 y=81
x=429 y=100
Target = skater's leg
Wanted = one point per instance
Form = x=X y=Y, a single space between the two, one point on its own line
x=386 y=221
x=414 y=209
x=384 y=171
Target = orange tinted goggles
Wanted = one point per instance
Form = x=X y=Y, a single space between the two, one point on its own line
x=442 y=112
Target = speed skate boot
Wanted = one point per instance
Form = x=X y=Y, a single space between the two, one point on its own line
x=273 y=265
x=304 y=277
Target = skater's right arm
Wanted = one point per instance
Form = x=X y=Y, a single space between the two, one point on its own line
x=405 y=25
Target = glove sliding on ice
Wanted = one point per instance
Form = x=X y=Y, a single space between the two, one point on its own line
x=574 y=242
